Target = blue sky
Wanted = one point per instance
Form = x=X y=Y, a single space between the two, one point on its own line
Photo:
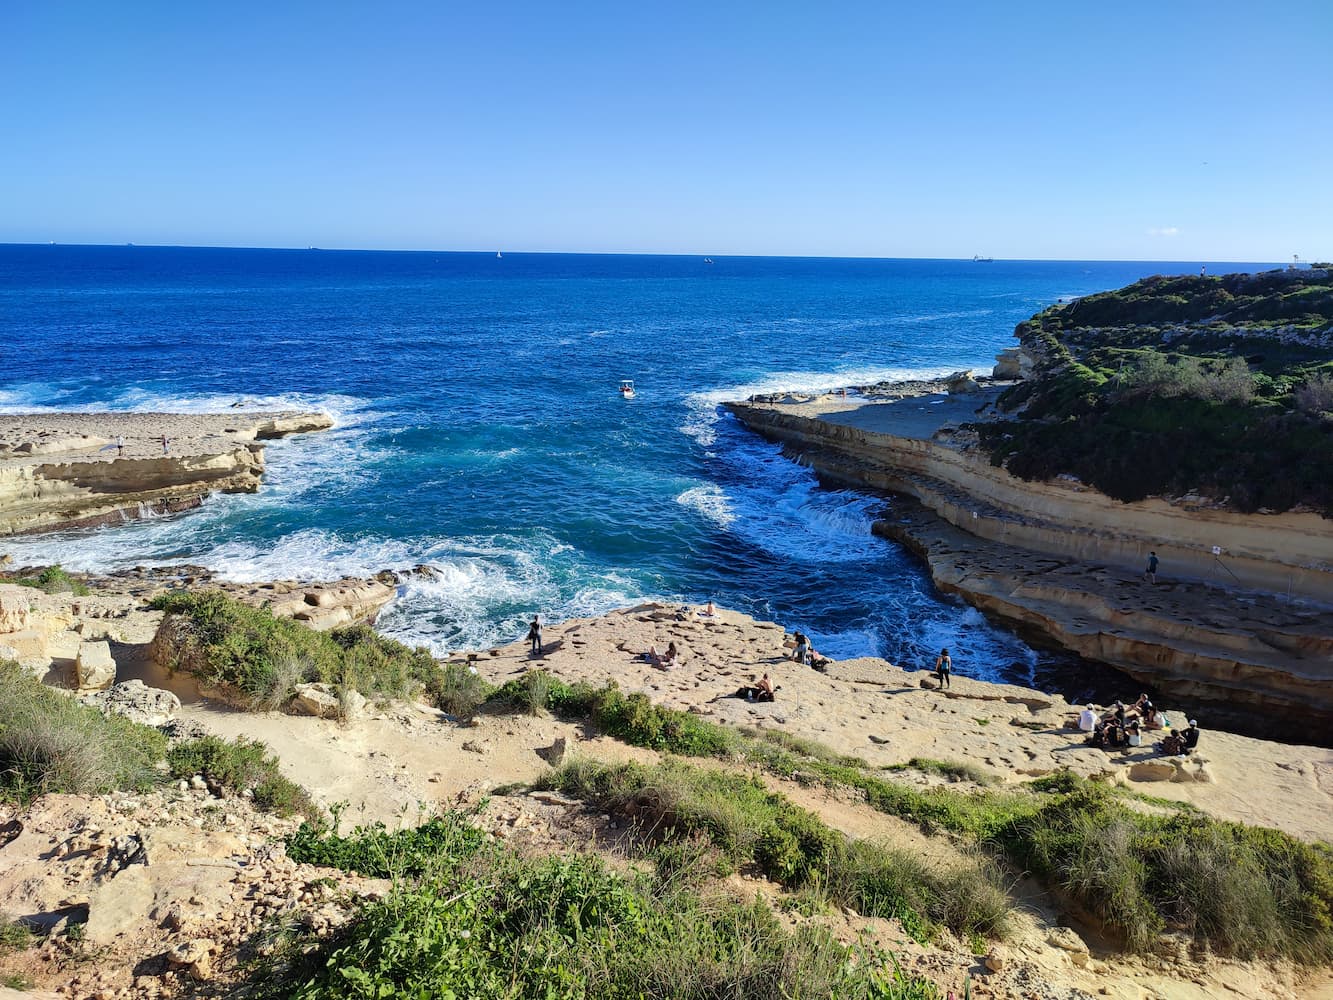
x=1172 y=130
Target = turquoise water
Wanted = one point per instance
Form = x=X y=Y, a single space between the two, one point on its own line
x=479 y=427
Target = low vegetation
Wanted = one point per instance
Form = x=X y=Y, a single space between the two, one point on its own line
x=54 y=580
x=49 y=742
x=15 y=935
x=1220 y=386
x=1140 y=873
x=474 y=919
x=240 y=767
x=752 y=826
x=226 y=642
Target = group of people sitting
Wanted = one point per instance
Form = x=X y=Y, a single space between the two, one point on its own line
x=669 y=660
x=1123 y=726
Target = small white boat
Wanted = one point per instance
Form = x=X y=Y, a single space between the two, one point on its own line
x=498 y=255
x=627 y=388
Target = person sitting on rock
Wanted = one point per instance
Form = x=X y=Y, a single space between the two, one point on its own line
x=1087 y=719
x=764 y=689
x=1190 y=737
x=1142 y=708
x=1155 y=719
x=1134 y=734
x=664 y=661
x=1181 y=743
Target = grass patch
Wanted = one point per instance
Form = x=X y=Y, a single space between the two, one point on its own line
x=226 y=642
x=15 y=935
x=54 y=580
x=241 y=766
x=49 y=742
x=751 y=825
x=483 y=922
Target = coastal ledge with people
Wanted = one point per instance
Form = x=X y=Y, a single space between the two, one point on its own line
x=1239 y=610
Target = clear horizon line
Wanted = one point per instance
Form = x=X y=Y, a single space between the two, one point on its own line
x=643 y=253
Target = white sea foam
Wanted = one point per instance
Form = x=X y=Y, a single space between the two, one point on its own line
x=709 y=500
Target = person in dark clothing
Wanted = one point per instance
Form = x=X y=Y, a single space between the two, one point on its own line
x=535 y=636
x=1150 y=574
x=943 y=667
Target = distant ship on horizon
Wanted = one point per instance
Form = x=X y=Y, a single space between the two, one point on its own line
x=978 y=259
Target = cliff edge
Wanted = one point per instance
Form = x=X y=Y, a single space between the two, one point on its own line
x=67 y=470
x=1242 y=612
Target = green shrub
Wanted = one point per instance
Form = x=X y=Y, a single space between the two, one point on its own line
x=54 y=580
x=377 y=852
x=1316 y=394
x=15 y=935
x=49 y=742
x=240 y=766
x=227 y=642
x=459 y=690
x=790 y=845
x=501 y=926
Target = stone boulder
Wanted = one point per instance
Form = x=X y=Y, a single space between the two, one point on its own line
x=1013 y=363
x=195 y=957
x=15 y=609
x=318 y=700
x=1068 y=941
x=137 y=702
x=960 y=383
x=94 y=667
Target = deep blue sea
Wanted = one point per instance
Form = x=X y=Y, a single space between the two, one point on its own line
x=480 y=430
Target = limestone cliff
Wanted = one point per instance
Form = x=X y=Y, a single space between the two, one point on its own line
x=82 y=470
x=1249 y=626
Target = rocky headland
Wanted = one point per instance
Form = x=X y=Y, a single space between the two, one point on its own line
x=70 y=470
x=1241 y=613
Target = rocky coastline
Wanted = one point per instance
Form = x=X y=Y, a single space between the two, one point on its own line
x=1249 y=628
x=79 y=470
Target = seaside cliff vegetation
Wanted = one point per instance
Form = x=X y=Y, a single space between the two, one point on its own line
x=1214 y=387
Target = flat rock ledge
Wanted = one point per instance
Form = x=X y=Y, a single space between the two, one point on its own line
x=72 y=470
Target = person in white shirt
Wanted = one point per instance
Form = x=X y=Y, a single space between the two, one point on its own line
x=1087 y=719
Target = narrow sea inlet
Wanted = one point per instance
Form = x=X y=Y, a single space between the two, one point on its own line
x=480 y=430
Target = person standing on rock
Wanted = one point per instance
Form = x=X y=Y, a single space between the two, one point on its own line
x=1150 y=574
x=943 y=667
x=120 y=446
x=535 y=636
